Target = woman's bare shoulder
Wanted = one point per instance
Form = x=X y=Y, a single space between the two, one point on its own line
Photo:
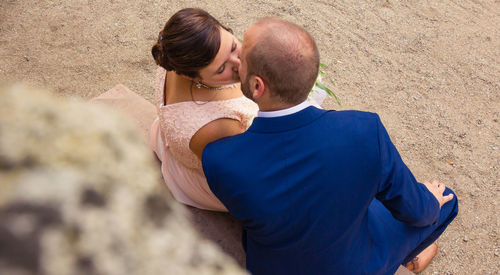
x=213 y=131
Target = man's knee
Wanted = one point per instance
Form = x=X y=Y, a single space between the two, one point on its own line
x=453 y=204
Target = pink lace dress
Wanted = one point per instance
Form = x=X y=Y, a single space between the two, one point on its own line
x=171 y=133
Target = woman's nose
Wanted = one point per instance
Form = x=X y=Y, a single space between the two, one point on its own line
x=235 y=59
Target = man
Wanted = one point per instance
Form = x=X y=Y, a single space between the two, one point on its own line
x=318 y=192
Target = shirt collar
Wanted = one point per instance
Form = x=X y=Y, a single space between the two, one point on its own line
x=285 y=112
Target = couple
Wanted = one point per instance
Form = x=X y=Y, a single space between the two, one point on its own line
x=318 y=192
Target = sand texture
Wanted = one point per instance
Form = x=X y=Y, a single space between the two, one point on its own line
x=431 y=69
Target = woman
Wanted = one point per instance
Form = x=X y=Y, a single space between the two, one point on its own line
x=198 y=100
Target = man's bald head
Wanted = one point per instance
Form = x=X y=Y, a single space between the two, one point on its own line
x=285 y=56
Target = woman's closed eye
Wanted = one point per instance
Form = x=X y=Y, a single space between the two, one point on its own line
x=223 y=67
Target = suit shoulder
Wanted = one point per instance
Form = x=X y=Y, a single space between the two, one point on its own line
x=353 y=116
x=353 y=113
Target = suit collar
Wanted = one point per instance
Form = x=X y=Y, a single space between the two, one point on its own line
x=285 y=123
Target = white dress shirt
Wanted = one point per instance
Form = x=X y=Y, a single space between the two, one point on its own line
x=285 y=112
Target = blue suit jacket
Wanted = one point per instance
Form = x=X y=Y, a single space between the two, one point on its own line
x=304 y=185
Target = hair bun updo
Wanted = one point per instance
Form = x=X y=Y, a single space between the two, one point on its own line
x=160 y=56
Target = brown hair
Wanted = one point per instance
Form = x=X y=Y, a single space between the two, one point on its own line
x=286 y=57
x=189 y=42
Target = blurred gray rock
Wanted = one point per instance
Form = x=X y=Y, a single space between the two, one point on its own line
x=79 y=194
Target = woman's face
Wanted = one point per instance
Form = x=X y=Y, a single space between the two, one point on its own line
x=224 y=68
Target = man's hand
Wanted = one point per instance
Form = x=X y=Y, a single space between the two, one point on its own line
x=437 y=189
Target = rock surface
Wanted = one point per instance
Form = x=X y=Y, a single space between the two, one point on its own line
x=79 y=194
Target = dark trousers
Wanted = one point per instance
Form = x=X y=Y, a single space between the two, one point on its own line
x=448 y=212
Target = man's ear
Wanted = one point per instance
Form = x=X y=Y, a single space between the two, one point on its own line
x=258 y=87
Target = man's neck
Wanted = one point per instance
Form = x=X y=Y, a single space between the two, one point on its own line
x=269 y=103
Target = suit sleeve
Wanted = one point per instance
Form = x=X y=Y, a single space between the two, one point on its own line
x=207 y=164
x=408 y=200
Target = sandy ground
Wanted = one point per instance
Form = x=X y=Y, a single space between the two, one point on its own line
x=431 y=69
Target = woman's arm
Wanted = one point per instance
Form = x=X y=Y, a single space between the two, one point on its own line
x=213 y=131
